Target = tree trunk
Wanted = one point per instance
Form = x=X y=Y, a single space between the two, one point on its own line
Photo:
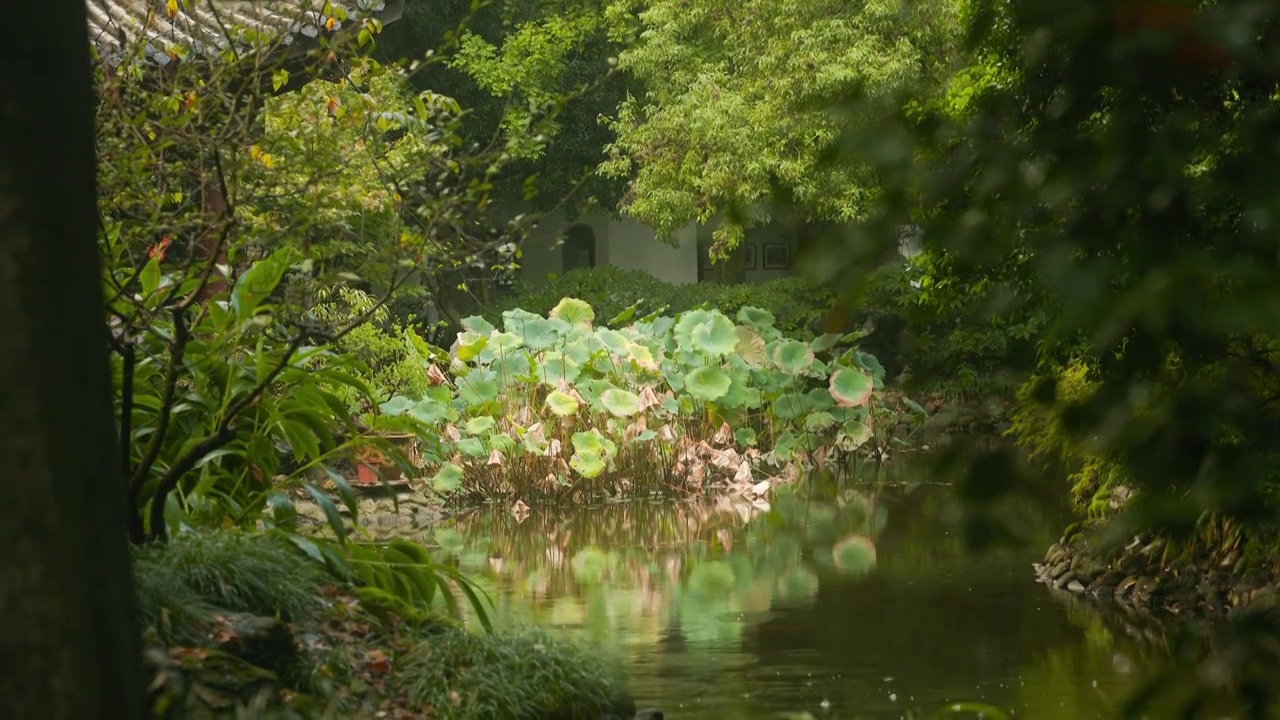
x=69 y=645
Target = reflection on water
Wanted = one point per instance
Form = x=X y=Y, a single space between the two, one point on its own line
x=846 y=601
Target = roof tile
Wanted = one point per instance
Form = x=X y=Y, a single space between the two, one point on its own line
x=169 y=29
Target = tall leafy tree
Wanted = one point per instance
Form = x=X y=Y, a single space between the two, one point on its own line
x=515 y=63
x=734 y=106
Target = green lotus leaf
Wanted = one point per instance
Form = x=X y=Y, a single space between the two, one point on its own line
x=557 y=366
x=471 y=446
x=613 y=341
x=736 y=396
x=850 y=387
x=790 y=406
x=819 y=421
x=447 y=479
x=674 y=375
x=687 y=321
x=709 y=383
x=915 y=407
x=716 y=338
x=820 y=399
x=537 y=332
x=591 y=389
x=579 y=350
x=513 y=367
x=659 y=328
x=643 y=357
x=482 y=425
x=470 y=345
x=645 y=436
x=853 y=435
x=784 y=447
x=502 y=442
x=825 y=342
x=751 y=347
x=625 y=316
x=589 y=441
x=689 y=358
x=562 y=404
x=792 y=356
x=809 y=441
x=755 y=317
x=620 y=403
x=745 y=436
x=397 y=405
x=432 y=409
x=868 y=364
x=476 y=324
x=573 y=311
x=499 y=345
x=472 y=391
x=670 y=405
x=588 y=465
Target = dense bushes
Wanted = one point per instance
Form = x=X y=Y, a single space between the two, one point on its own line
x=796 y=303
x=961 y=339
x=1038 y=426
x=182 y=583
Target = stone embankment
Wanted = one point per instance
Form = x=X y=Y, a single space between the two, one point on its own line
x=1141 y=577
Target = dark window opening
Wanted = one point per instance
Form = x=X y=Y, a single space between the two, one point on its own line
x=579 y=247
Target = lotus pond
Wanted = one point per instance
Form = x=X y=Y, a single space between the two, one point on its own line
x=840 y=599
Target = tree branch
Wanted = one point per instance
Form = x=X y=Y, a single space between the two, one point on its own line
x=224 y=434
x=184 y=465
x=176 y=354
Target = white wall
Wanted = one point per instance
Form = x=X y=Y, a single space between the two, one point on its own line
x=634 y=246
x=625 y=243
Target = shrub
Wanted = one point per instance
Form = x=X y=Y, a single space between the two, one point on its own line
x=392 y=363
x=796 y=303
x=1037 y=426
x=960 y=340
x=181 y=582
x=518 y=674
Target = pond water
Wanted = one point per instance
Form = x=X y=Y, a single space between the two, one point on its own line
x=840 y=599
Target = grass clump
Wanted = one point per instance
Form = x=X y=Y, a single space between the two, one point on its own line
x=520 y=674
x=181 y=582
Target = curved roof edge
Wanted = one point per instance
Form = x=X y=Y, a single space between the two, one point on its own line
x=173 y=30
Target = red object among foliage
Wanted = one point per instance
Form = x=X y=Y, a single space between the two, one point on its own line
x=157 y=251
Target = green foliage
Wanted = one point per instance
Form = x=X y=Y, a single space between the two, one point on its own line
x=1122 y=159
x=181 y=583
x=510 y=61
x=795 y=303
x=393 y=359
x=722 y=124
x=404 y=571
x=237 y=223
x=1037 y=425
x=524 y=674
x=555 y=405
x=962 y=337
